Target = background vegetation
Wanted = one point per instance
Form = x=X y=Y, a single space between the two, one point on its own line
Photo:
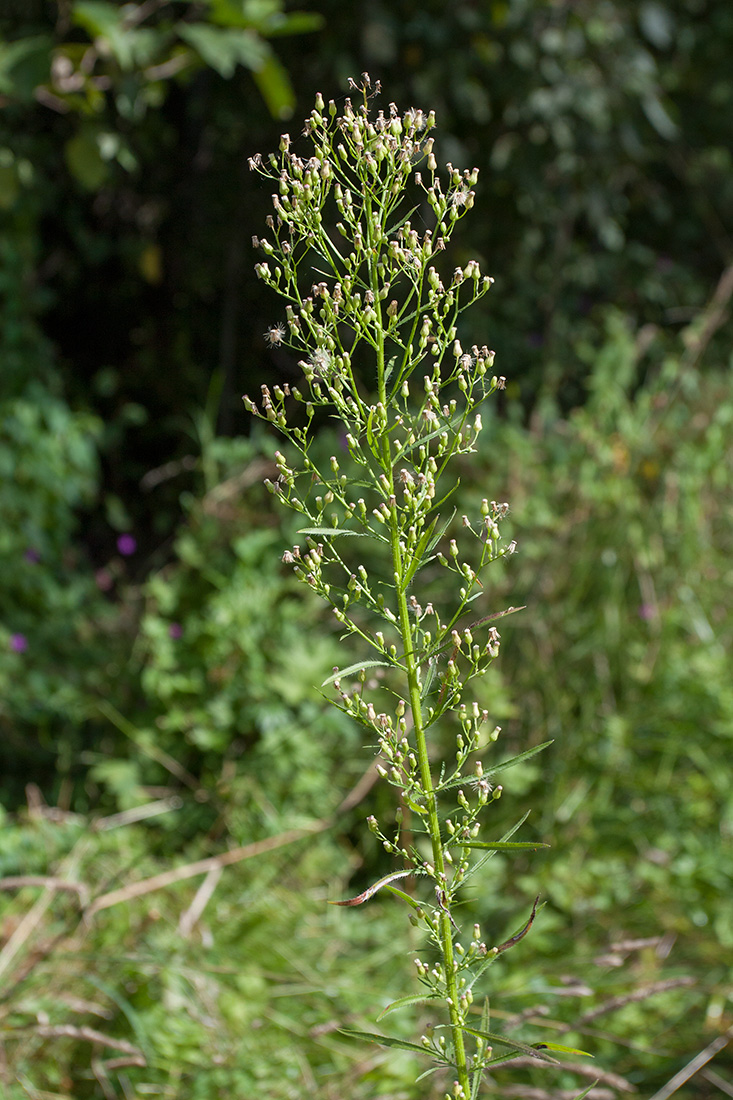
x=157 y=708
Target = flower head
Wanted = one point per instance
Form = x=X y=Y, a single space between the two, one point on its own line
x=18 y=643
x=275 y=334
x=321 y=360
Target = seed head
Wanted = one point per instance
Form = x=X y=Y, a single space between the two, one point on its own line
x=275 y=334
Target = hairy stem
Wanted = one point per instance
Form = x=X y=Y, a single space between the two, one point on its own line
x=446 y=934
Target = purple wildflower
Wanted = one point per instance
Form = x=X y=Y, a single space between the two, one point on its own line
x=18 y=643
x=32 y=555
x=127 y=545
x=175 y=631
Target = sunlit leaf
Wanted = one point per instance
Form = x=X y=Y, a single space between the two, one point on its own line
x=372 y=890
x=354 y=668
x=320 y=531
x=513 y=1044
x=504 y=846
x=224 y=48
x=274 y=85
x=563 y=1050
x=406 y=1002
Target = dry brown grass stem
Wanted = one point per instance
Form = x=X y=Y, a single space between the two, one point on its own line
x=590 y=1072
x=694 y=1066
x=635 y=995
x=202 y=867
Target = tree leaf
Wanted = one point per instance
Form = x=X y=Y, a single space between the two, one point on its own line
x=295 y=22
x=274 y=85
x=85 y=161
x=223 y=49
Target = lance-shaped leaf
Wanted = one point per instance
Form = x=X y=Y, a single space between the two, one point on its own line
x=405 y=1002
x=479 y=1071
x=371 y=890
x=514 y=1044
x=504 y=846
x=355 y=668
x=507 y=836
x=386 y=1041
x=585 y=1092
x=492 y=770
x=563 y=1050
x=320 y=531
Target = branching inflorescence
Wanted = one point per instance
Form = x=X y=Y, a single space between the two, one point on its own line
x=362 y=284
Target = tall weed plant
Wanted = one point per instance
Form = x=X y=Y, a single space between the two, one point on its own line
x=355 y=248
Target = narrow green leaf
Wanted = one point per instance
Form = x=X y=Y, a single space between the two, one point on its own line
x=355 y=668
x=498 y=1059
x=370 y=429
x=428 y=681
x=502 y=765
x=427 y=1073
x=383 y=1040
x=518 y=759
x=405 y=1002
x=402 y=895
x=491 y=957
x=479 y=1072
x=510 y=832
x=507 y=836
x=513 y=1044
x=398 y=225
x=419 y=553
x=335 y=531
x=502 y=846
x=564 y=1050
x=449 y=494
x=585 y=1092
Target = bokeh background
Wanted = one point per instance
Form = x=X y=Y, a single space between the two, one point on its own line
x=158 y=708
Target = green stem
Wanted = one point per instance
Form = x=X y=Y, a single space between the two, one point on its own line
x=433 y=820
x=413 y=685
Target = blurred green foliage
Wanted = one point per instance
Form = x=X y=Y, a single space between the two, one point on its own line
x=179 y=670
x=623 y=514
